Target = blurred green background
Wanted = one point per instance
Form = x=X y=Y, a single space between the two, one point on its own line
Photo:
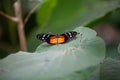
x=59 y=16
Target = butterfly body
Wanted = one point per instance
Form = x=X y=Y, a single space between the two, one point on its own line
x=57 y=39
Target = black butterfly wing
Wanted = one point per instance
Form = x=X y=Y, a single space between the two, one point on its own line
x=44 y=37
x=69 y=35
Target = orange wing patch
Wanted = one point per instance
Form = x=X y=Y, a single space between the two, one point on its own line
x=57 y=39
x=61 y=39
x=53 y=40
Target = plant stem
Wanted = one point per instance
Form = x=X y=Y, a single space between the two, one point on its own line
x=21 y=33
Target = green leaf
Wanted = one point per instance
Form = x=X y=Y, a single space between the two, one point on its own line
x=112 y=51
x=68 y=14
x=58 y=61
x=45 y=11
x=110 y=69
x=91 y=73
x=119 y=48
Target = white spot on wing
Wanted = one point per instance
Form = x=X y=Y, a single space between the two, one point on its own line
x=43 y=37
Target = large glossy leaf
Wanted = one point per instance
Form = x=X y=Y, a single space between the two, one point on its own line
x=110 y=68
x=68 y=14
x=58 y=61
x=119 y=48
x=45 y=11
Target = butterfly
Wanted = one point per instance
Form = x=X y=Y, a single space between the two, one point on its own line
x=57 y=39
